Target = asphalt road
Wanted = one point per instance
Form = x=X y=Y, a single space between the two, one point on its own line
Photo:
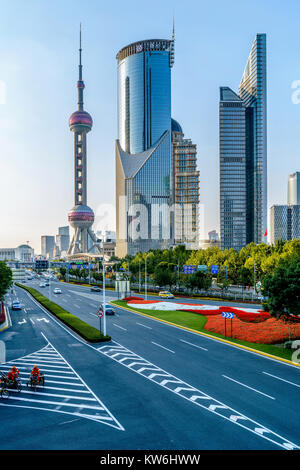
x=153 y=386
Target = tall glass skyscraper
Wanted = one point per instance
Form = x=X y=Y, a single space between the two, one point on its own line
x=143 y=149
x=253 y=91
x=294 y=188
x=243 y=154
x=232 y=128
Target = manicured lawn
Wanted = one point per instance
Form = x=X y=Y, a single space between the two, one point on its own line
x=85 y=330
x=197 y=322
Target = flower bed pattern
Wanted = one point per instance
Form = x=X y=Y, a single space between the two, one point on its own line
x=271 y=331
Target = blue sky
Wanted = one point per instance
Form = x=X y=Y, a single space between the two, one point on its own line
x=38 y=67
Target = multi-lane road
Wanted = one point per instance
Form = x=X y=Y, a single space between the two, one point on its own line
x=154 y=386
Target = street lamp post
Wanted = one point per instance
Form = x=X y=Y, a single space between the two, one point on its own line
x=103 y=290
x=146 y=275
x=139 y=276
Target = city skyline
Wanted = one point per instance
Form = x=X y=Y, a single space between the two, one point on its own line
x=38 y=56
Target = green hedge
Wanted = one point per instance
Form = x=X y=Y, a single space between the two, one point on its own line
x=85 y=330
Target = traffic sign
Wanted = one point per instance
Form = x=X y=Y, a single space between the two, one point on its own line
x=214 y=269
x=189 y=268
x=202 y=267
x=100 y=313
x=227 y=315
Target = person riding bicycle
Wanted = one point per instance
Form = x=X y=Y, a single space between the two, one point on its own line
x=35 y=374
x=13 y=374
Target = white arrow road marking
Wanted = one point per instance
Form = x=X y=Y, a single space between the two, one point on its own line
x=235 y=418
x=21 y=322
x=43 y=319
x=194 y=395
x=80 y=402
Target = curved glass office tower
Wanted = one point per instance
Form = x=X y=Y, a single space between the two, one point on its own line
x=143 y=149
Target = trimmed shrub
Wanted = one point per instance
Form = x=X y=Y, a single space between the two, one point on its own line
x=86 y=331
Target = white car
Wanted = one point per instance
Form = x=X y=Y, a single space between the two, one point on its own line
x=57 y=291
x=42 y=284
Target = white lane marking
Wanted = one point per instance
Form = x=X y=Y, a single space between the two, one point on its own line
x=44 y=369
x=121 y=327
x=247 y=386
x=193 y=395
x=47 y=402
x=160 y=346
x=284 y=380
x=195 y=345
x=117 y=425
x=57 y=395
x=76 y=305
x=141 y=324
x=41 y=362
x=31 y=321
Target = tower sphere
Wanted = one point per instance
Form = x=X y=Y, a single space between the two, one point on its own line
x=81 y=216
x=81 y=118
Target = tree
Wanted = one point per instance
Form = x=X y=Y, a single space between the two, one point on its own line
x=198 y=280
x=162 y=275
x=5 y=279
x=282 y=289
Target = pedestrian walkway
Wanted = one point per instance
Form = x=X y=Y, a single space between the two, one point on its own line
x=64 y=390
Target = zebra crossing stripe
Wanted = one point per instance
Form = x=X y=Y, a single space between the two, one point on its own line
x=73 y=398
x=193 y=395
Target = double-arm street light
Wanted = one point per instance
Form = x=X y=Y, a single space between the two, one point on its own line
x=146 y=275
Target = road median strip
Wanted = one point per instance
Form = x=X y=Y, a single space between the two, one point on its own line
x=270 y=351
x=86 y=331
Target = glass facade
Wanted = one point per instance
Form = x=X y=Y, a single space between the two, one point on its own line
x=253 y=91
x=143 y=149
x=232 y=129
x=294 y=188
x=186 y=189
x=144 y=94
x=284 y=222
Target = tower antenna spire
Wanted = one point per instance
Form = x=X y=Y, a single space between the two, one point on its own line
x=80 y=51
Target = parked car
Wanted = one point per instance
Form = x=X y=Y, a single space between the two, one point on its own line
x=95 y=289
x=42 y=284
x=57 y=291
x=108 y=309
x=166 y=294
x=16 y=305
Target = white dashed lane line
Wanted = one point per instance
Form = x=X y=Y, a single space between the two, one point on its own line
x=118 y=326
x=247 y=386
x=195 y=345
x=283 y=380
x=141 y=324
x=163 y=347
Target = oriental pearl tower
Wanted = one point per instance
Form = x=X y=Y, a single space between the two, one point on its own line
x=81 y=217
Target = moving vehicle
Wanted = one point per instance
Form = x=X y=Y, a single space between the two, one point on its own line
x=166 y=294
x=57 y=291
x=95 y=289
x=108 y=309
x=42 y=284
x=16 y=305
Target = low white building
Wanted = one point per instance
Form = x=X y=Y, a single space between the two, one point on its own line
x=23 y=253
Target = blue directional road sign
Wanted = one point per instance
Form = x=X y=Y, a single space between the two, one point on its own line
x=227 y=315
x=214 y=269
x=189 y=268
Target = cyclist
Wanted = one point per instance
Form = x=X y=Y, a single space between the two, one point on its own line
x=13 y=374
x=35 y=374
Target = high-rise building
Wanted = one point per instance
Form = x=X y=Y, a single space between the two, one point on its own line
x=232 y=149
x=294 y=188
x=143 y=149
x=64 y=231
x=243 y=154
x=253 y=91
x=186 y=189
x=81 y=216
x=284 y=222
x=47 y=246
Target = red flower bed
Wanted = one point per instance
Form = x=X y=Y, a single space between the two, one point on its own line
x=128 y=299
x=269 y=332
